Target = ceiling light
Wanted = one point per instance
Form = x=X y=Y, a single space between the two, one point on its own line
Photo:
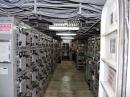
x=67 y=38
x=66 y=34
x=63 y=28
x=66 y=41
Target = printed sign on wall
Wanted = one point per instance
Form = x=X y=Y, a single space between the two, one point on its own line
x=3 y=70
x=6 y=25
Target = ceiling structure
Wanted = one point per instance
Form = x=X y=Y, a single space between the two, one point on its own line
x=41 y=13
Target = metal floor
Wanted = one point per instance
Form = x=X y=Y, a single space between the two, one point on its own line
x=67 y=82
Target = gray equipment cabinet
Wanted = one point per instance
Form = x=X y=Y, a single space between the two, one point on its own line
x=25 y=59
x=7 y=62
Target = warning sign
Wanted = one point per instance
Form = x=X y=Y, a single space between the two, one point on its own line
x=5 y=27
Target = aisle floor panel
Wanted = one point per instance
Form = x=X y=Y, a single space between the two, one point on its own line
x=67 y=82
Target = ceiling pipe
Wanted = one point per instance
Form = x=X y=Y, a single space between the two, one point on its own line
x=12 y=2
x=52 y=5
x=35 y=6
x=89 y=28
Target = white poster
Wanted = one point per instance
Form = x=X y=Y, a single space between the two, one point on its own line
x=4 y=51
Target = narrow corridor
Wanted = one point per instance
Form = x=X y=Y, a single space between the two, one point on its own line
x=67 y=82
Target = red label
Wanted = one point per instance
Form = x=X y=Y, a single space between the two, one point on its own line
x=5 y=27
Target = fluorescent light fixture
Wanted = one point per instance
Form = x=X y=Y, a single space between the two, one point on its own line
x=67 y=38
x=66 y=41
x=66 y=34
x=63 y=28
